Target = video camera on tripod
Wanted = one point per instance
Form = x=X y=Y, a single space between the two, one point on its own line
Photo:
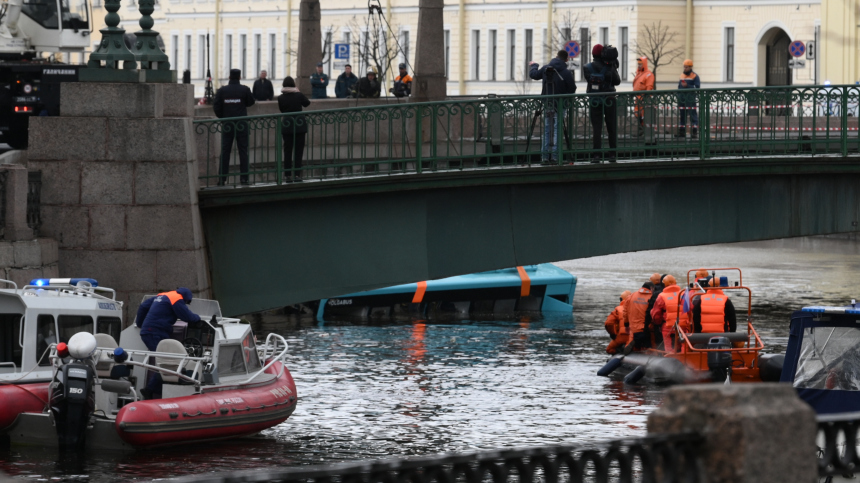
x=610 y=55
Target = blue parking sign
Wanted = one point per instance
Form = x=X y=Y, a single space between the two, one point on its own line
x=341 y=51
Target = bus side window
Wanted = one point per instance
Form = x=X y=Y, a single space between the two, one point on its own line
x=45 y=336
x=70 y=325
x=111 y=326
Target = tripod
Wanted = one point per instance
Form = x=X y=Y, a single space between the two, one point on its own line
x=532 y=130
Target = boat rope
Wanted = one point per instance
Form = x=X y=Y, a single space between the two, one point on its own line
x=15 y=381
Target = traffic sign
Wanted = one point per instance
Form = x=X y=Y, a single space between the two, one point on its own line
x=572 y=48
x=797 y=63
x=797 y=48
x=810 y=50
x=341 y=51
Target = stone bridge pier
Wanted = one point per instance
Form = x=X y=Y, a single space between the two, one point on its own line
x=119 y=188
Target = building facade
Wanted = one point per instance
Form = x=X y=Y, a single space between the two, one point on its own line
x=488 y=43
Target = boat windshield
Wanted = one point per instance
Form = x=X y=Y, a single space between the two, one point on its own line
x=829 y=359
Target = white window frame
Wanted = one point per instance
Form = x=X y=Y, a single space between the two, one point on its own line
x=174 y=48
x=724 y=50
x=625 y=66
x=511 y=54
x=243 y=52
x=601 y=28
x=475 y=54
x=227 y=61
x=492 y=53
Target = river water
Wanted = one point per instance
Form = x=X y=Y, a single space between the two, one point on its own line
x=372 y=390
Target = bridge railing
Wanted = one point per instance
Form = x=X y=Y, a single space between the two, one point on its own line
x=494 y=132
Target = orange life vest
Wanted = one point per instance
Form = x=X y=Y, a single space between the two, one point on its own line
x=173 y=296
x=671 y=295
x=713 y=311
x=635 y=310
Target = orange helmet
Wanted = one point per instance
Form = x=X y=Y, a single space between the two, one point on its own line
x=655 y=278
x=625 y=294
x=688 y=63
x=701 y=273
x=669 y=280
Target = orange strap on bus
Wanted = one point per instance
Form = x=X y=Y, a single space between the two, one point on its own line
x=419 y=293
x=526 y=287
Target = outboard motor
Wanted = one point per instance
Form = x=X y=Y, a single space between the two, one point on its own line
x=719 y=363
x=73 y=392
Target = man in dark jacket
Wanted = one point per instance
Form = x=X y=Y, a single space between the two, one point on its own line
x=602 y=76
x=233 y=100
x=557 y=80
x=368 y=86
x=319 y=82
x=156 y=317
x=687 y=101
x=345 y=83
x=263 y=90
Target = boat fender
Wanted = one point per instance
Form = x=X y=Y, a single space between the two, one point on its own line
x=119 y=355
x=82 y=345
x=635 y=375
x=610 y=366
x=770 y=367
x=117 y=387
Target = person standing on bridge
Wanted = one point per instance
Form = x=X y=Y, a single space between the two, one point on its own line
x=345 y=83
x=602 y=76
x=557 y=80
x=263 y=90
x=233 y=100
x=368 y=87
x=319 y=83
x=644 y=81
x=156 y=317
x=687 y=100
x=294 y=129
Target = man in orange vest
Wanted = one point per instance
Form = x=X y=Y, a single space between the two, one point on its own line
x=713 y=311
x=687 y=101
x=614 y=325
x=635 y=315
x=667 y=311
x=644 y=81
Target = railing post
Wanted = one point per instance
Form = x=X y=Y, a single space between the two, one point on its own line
x=418 y=140
x=753 y=433
x=704 y=123
x=279 y=151
x=843 y=122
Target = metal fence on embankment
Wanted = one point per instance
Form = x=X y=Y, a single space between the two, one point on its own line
x=494 y=132
x=660 y=458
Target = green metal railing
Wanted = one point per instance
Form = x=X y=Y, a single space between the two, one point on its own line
x=498 y=132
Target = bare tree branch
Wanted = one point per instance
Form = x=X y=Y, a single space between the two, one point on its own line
x=655 y=42
x=374 y=46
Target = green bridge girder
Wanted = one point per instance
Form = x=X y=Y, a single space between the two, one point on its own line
x=278 y=245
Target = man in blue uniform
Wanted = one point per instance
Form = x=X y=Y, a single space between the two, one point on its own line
x=233 y=100
x=156 y=317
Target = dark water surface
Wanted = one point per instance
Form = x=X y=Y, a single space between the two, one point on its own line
x=370 y=390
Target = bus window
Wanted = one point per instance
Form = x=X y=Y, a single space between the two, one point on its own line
x=10 y=340
x=45 y=335
x=111 y=326
x=70 y=325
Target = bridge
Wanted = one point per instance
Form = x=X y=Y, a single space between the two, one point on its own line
x=416 y=191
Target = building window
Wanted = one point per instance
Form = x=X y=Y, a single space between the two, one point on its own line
x=476 y=54
x=623 y=53
x=258 y=54
x=529 y=47
x=447 y=53
x=347 y=39
x=604 y=35
x=404 y=46
x=566 y=33
x=286 y=54
x=585 y=47
x=730 y=54
x=243 y=54
x=273 y=55
x=174 y=41
x=201 y=56
x=364 y=50
x=512 y=54
x=228 y=51
x=188 y=53
x=491 y=65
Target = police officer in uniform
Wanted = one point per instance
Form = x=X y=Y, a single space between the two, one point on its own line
x=156 y=317
x=233 y=100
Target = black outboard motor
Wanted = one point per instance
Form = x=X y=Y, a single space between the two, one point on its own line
x=73 y=403
x=719 y=363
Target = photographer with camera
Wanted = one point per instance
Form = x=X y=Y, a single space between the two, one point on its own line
x=602 y=76
x=556 y=80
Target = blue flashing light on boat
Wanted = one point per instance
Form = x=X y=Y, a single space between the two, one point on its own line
x=45 y=282
x=814 y=309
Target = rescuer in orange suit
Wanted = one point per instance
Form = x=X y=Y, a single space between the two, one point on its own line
x=635 y=315
x=614 y=326
x=713 y=311
x=667 y=311
x=643 y=81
